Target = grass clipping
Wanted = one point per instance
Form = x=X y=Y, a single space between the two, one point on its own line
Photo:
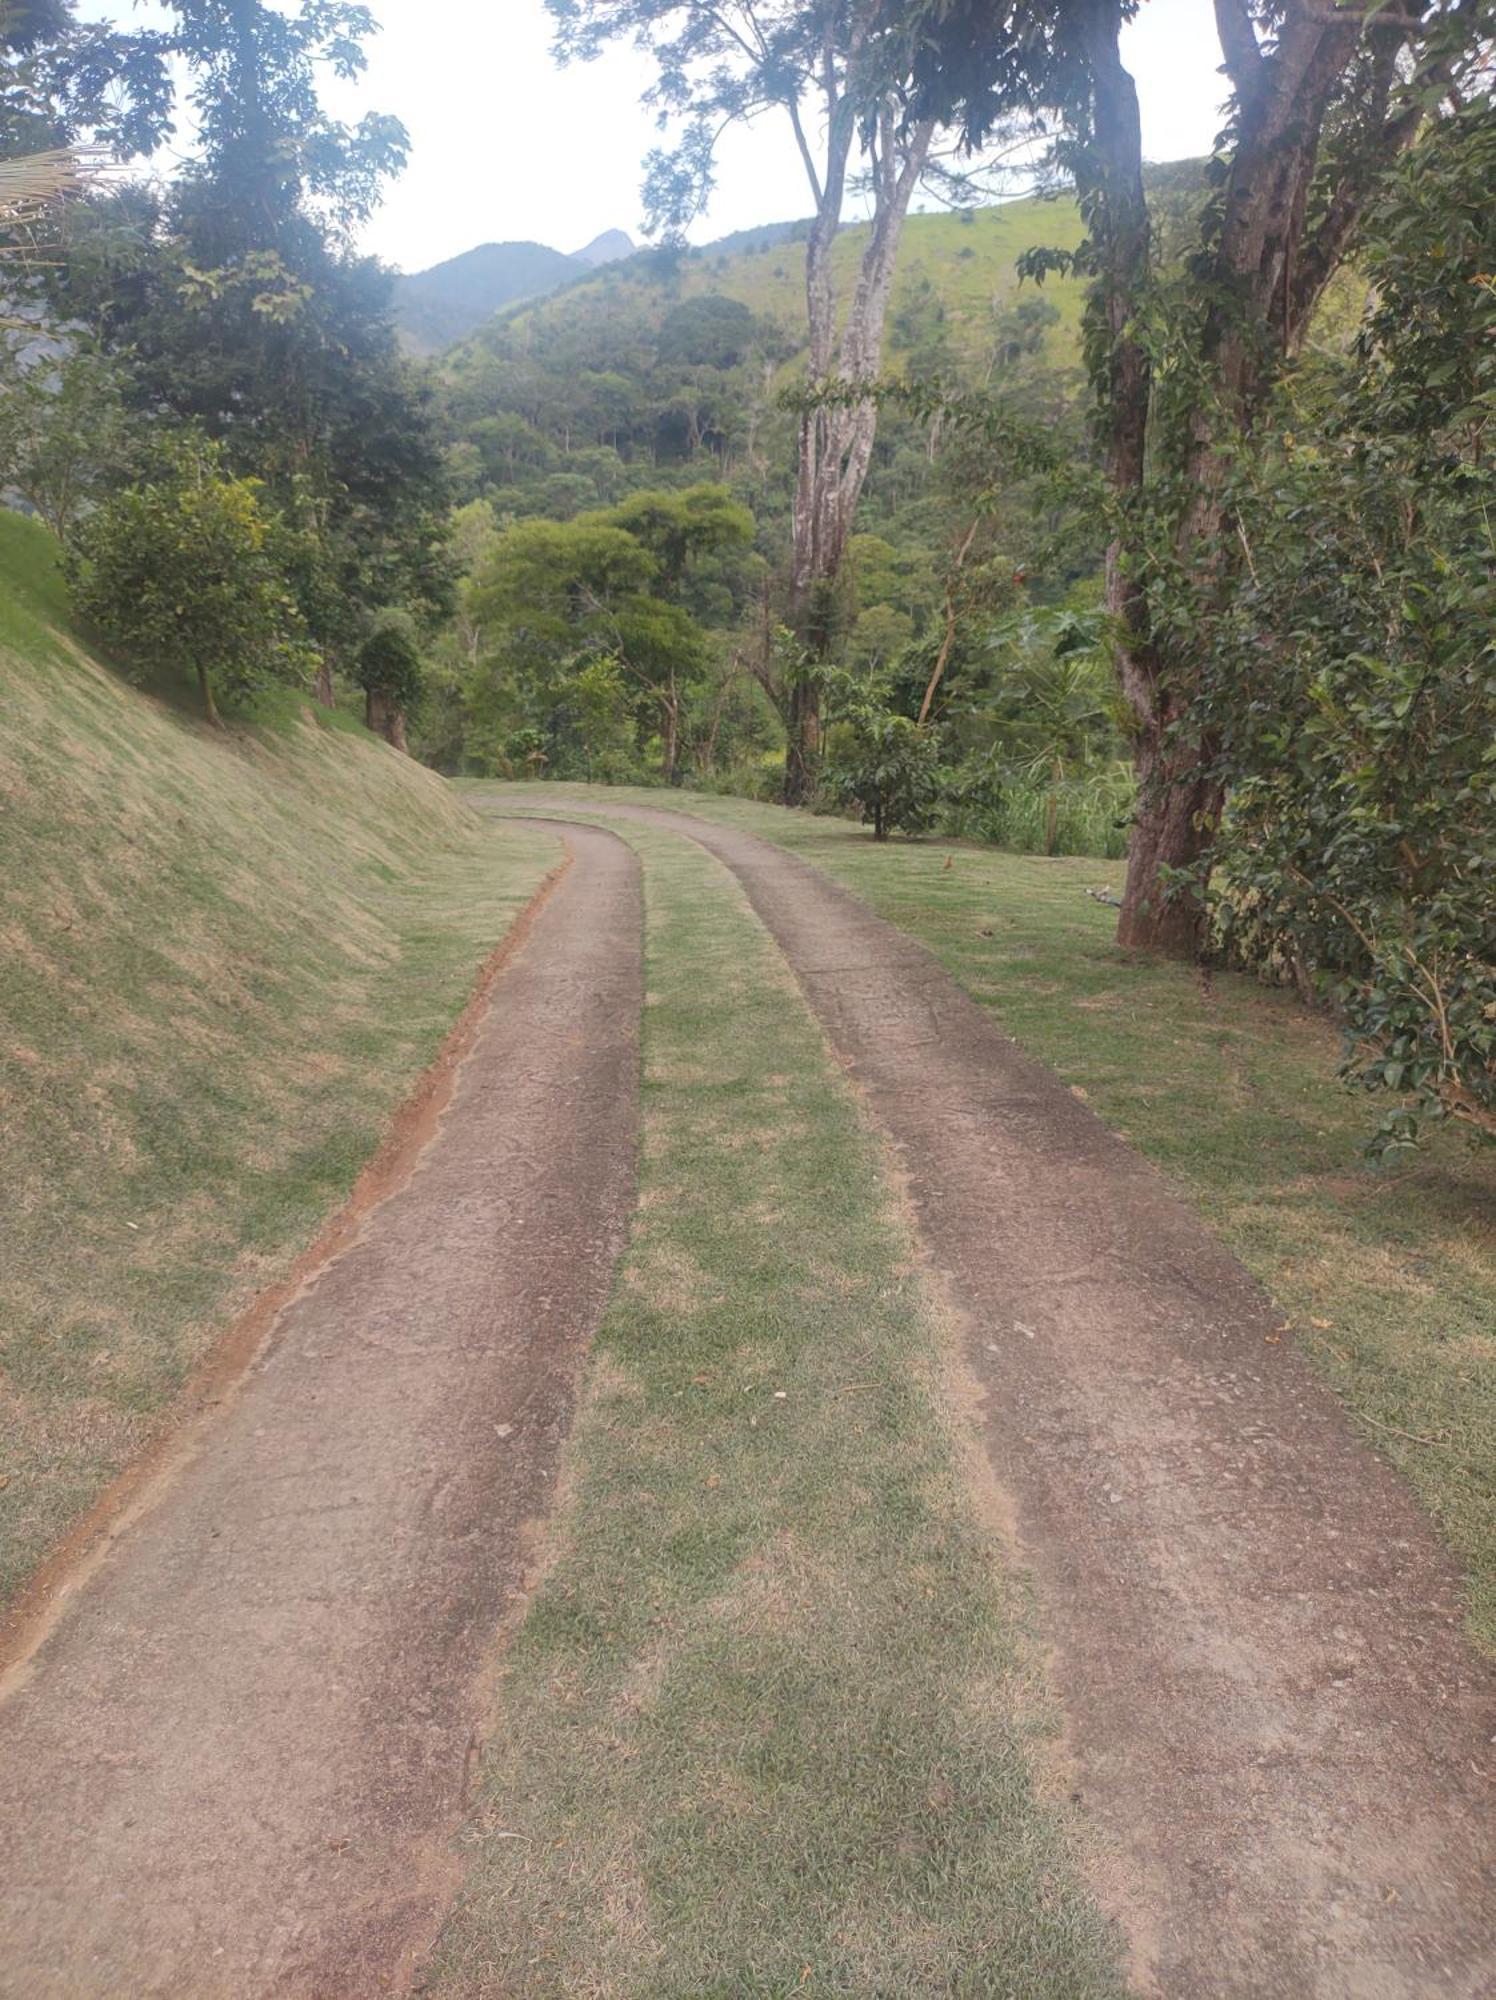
x=770 y=1723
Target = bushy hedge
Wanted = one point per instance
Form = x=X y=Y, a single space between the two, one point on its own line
x=1355 y=688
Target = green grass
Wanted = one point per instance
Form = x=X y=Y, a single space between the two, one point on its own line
x=1388 y=1275
x=1080 y=815
x=771 y=1725
x=224 y=957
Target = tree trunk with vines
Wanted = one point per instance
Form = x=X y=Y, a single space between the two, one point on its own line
x=1270 y=259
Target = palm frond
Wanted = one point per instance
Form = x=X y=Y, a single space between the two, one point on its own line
x=32 y=186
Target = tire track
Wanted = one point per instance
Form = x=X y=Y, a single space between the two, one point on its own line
x=1281 y=1734
x=234 y=1765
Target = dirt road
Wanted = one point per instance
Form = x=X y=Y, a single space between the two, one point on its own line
x=235 y=1764
x=1276 y=1724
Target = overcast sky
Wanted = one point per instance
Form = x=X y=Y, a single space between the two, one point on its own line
x=504 y=145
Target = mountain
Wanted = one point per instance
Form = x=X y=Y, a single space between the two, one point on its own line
x=437 y=307
x=606 y=249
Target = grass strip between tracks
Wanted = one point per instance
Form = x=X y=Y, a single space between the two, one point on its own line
x=772 y=1723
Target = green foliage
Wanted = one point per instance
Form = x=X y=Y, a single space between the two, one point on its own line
x=1036 y=812
x=880 y=761
x=1356 y=684
x=591 y=635
x=235 y=306
x=182 y=575
x=65 y=435
x=65 y=81
x=389 y=660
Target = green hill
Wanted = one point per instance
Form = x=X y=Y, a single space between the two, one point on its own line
x=669 y=364
x=224 y=958
x=968 y=258
x=436 y=307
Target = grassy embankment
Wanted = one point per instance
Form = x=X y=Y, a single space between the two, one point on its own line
x=224 y=958
x=1388 y=1275
x=771 y=1723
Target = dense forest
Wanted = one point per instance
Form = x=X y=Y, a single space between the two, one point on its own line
x=1149 y=514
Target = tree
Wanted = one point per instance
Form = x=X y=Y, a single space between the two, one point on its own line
x=559 y=602
x=241 y=309
x=663 y=650
x=882 y=762
x=842 y=82
x=183 y=574
x=389 y=672
x=69 y=92
x=1324 y=99
x=65 y=82
x=1354 y=687
x=65 y=437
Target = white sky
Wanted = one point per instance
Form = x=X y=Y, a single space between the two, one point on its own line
x=506 y=146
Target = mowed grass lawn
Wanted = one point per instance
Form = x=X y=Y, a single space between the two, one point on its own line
x=772 y=1723
x=1387 y=1274
x=224 y=959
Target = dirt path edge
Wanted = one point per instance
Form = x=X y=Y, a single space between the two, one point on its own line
x=34 y=1611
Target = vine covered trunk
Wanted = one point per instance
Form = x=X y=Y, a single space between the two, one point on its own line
x=1280 y=229
x=1179 y=806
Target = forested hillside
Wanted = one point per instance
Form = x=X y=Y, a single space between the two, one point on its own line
x=674 y=368
x=675 y=356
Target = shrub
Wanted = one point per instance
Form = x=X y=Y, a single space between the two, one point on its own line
x=1356 y=687
x=885 y=764
x=186 y=574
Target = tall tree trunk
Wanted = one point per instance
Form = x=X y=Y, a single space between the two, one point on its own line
x=802 y=744
x=1179 y=808
x=836 y=439
x=386 y=718
x=1169 y=824
x=323 y=691
x=1272 y=257
x=670 y=735
x=210 y=707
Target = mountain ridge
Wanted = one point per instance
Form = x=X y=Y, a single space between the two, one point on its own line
x=443 y=304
